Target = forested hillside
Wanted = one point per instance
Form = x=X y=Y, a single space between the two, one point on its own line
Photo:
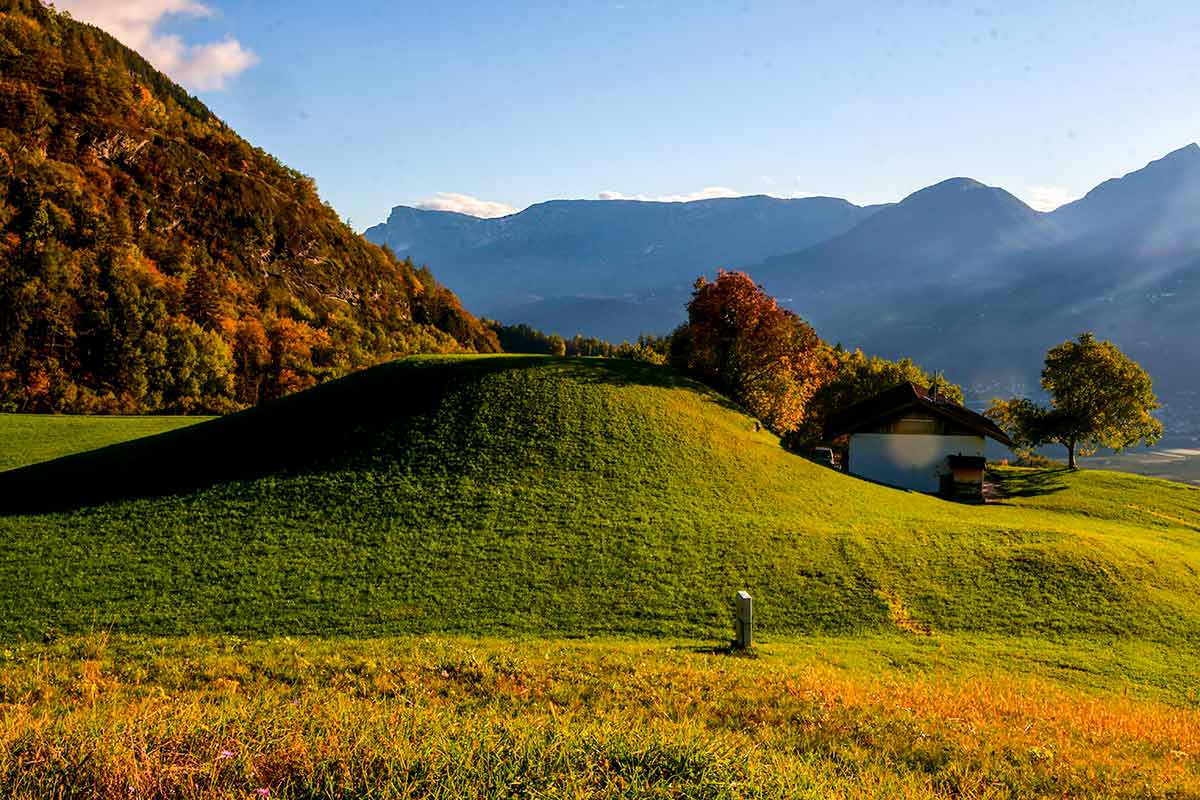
x=151 y=259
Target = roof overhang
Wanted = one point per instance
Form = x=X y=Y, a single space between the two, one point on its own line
x=905 y=397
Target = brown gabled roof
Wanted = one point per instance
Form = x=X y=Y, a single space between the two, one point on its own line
x=899 y=399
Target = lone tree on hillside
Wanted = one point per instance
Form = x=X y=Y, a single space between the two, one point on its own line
x=738 y=340
x=1099 y=397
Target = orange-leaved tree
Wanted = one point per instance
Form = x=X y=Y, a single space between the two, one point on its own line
x=740 y=341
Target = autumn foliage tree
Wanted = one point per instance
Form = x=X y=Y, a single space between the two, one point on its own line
x=740 y=341
x=152 y=260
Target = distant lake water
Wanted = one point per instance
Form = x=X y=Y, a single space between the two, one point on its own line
x=1175 y=461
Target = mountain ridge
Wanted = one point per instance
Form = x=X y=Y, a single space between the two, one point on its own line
x=1165 y=192
x=952 y=233
x=581 y=247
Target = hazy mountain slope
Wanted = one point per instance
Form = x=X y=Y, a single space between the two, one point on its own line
x=994 y=339
x=952 y=232
x=1127 y=266
x=152 y=259
x=610 y=248
x=1156 y=207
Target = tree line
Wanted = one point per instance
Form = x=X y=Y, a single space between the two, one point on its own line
x=522 y=338
x=739 y=340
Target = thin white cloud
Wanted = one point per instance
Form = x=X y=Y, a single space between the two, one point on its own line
x=798 y=191
x=798 y=194
x=707 y=193
x=465 y=204
x=1048 y=198
x=136 y=23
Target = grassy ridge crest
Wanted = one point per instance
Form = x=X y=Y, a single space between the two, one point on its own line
x=570 y=497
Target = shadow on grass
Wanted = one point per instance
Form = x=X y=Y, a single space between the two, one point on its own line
x=294 y=434
x=1031 y=483
x=335 y=425
x=729 y=649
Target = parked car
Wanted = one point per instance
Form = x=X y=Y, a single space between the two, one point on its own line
x=824 y=456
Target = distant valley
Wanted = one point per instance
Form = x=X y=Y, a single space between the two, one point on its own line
x=963 y=277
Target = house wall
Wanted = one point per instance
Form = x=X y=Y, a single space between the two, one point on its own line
x=909 y=461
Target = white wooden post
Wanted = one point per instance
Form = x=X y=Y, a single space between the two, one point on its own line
x=744 y=626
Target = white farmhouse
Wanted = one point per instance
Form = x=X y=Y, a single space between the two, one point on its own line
x=911 y=438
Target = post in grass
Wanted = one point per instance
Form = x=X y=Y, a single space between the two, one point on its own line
x=744 y=624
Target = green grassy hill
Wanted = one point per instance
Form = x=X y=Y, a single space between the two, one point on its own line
x=30 y=438
x=563 y=497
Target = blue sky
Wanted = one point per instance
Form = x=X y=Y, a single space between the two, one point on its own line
x=511 y=103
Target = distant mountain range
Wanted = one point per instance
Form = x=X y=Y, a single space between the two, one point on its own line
x=962 y=276
x=576 y=254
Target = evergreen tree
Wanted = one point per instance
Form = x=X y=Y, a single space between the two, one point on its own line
x=203 y=292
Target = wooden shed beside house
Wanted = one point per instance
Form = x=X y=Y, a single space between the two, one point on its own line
x=911 y=438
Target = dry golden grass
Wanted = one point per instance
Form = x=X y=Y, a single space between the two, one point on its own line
x=223 y=718
x=901 y=617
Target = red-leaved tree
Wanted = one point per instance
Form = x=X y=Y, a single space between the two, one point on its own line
x=740 y=341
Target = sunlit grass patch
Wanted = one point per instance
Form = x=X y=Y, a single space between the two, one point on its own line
x=455 y=718
x=30 y=438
